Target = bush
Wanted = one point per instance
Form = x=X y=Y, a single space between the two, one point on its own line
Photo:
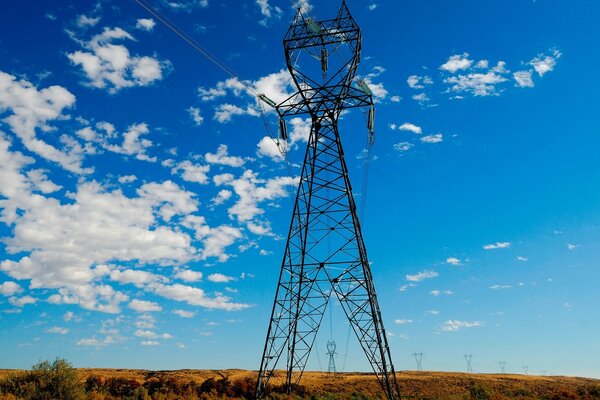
x=47 y=380
x=479 y=392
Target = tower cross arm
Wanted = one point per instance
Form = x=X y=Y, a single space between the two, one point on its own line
x=309 y=100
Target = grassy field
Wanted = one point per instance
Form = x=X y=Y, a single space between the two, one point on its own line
x=414 y=385
x=417 y=385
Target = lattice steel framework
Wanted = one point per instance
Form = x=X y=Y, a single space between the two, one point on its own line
x=325 y=253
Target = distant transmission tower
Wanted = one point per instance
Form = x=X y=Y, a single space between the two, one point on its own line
x=502 y=365
x=419 y=360
x=468 y=358
x=526 y=369
x=543 y=372
x=325 y=253
x=331 y=353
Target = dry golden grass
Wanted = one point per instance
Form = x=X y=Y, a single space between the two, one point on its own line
x=430 y=385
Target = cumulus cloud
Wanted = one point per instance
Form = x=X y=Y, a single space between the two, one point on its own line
x=27 y=111
x=407 y=126
x=543 y=63
x=456 y=63
x=220 y=278
x=455 y=325
x=436 y=138
x=523 y=79
x=184 y=314
x=497 y=245
x=421 y=276
x=478 y=83
x=222 y=157
x=418 y=82
x=188 y=275
x=252 y=191
x=110 y=66
x=10 y=288
x=146 y=24
x=453 y=261
x=196 y=116
x=143 y=306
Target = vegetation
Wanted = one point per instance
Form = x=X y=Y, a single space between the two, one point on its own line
x=57 y=380
x=47 y=380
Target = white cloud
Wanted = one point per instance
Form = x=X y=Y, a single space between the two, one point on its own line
x=543 y=64
x=94 y=342
x=420 y=98
x=269 y=12
x=453 y=261
x=222 y=157
x=149 y=343
x=436 y=138
x=422 y=276
x=523 y=79
x=252 y=191
x=143 y=306
x=571 y=246
x=197 y=297
x=189 y=171
x=457 y=62
x=407 y=126
x=403 y=146
x=221 y=197
x=188 y=275
x=184 y=314
x=478 y=84
x=437 y=293
x=31 y=110
x=497 y=245
x=10 y=288
x=454 y=325
x=110 y=66
x=57 y=330
x=185 y=5
x=418 y=82
x=127 y=179
x=146 y=24
x=268 y=147
x=22 y=301
x=195 y=115
x=83 y=21
x=69 y=315
x=152 y=335
x=496 y=287
x=220 y=278
x=521 y=258
x=403 y=321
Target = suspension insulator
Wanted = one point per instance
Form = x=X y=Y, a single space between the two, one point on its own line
x=283 y=129
x=324 y=61
x=371 y=120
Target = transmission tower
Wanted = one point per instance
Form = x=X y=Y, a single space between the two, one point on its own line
x=325 y=253
x=331 y=353
x=502 y=365
x=468 y=359
x=419 y=359
x=526 y=369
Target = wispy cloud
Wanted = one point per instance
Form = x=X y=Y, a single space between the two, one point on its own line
x=497 y=245
x=421 y=276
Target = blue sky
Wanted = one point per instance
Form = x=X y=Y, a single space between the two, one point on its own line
x=143 y=210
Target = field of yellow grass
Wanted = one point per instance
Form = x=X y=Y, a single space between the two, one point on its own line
x=417 y=385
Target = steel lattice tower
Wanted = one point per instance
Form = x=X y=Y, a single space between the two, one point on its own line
x=331 y=346
x=325 y=253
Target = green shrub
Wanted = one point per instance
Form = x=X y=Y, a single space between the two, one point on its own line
x=47 y=380
x=479 y=392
